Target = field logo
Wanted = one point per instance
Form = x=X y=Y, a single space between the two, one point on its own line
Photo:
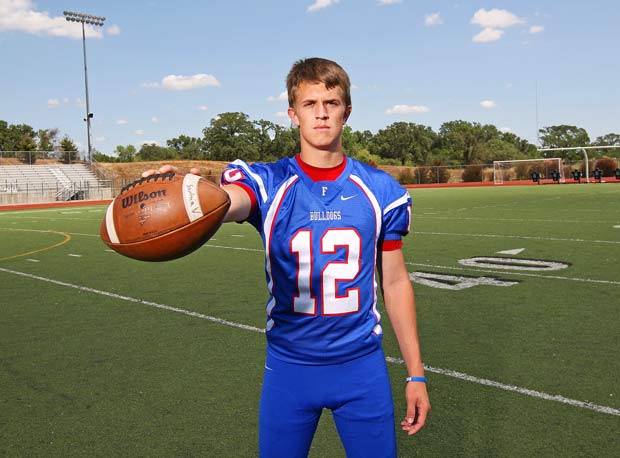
x=456 y=282
x=495 y=262
x=459 y=282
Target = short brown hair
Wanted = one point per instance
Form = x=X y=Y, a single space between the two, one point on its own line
x=317 y=70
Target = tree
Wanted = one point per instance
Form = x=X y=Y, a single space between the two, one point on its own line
x=467 y=141
x=606 y=140
x=126 y=153
x=354 y=141
x=405 y=142
x=100 y=157
x=16 y=137
x=563 y=136
x=232 y=136
x=285 y=143
x=69 y=150
x=153 y=152
x=525 y=148
x=190 y=148
x=47 y=139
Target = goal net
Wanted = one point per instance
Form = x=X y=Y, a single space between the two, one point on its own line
x=548 y=169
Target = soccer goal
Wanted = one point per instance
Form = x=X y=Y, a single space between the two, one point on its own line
x=522 y=169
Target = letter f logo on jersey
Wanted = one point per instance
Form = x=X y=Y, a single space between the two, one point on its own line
x=232 y=175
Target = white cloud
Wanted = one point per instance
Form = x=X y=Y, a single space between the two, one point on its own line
x=407 y=109
x=149 y=84
x=488 y=34
x=495 y=18
x=320 y=4
x=64 y=101
x=155 y=119
x=488 y=104
x=139 y=132
x=281 y=97
x=505 y=130
x=113 y=30
x=121 y=122
x=509 y=85
x=388 y=2
x=202 y=108
x=433 y=19
x=282 y=114
x=21 y=16
x=536 y=29
x=100 y=139
x=184 y=83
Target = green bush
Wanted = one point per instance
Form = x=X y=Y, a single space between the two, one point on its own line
x=607 y=165
x=407 y=176
x=472 y=174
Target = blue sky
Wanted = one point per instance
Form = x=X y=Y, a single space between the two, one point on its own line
x=159 y=69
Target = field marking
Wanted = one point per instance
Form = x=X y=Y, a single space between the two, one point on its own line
x=66 y=240
x=505 y=272
x=521 y=237
x=440 y=371
x=515 y=251
x=510 y=220
x=515 y=389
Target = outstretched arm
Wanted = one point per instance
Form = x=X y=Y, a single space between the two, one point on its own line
x=400 y=305
x=240 y=203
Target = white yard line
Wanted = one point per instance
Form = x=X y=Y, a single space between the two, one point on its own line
x=445 y=372
x=520 y=237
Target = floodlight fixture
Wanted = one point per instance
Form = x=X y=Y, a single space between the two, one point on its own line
x=83 y=18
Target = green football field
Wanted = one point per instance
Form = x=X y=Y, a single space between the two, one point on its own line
x=518 y=296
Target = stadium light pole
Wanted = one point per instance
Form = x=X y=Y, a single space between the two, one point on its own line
x=92 y=20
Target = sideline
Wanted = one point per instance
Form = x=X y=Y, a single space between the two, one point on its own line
x=71 y=203
x=447 y=372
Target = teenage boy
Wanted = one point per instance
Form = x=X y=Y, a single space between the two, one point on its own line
x=327 y=221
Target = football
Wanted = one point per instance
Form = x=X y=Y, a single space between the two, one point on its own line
x=164 y=216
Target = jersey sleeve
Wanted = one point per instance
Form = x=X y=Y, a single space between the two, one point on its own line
x=250 y=179
x=396 y=220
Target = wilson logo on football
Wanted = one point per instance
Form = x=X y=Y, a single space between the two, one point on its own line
x=141 y=197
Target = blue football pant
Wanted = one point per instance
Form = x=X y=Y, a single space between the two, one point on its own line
x=358 y=392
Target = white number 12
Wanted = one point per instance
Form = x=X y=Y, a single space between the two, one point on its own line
x=332 y=273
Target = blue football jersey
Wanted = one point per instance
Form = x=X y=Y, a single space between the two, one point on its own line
x=321 y=240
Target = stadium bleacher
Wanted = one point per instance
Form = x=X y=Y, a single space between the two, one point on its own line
x=52 y=182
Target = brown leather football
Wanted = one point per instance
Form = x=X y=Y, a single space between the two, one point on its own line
x=164 y=216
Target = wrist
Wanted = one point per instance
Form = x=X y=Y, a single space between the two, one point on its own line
x=415 y=378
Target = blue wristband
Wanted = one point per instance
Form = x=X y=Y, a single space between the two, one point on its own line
x=416 y=379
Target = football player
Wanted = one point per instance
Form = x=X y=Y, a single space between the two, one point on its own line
x=327 y=221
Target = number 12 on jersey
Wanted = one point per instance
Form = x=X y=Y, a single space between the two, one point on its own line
x=332 y=272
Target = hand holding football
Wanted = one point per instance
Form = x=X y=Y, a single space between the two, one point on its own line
x=164 y=216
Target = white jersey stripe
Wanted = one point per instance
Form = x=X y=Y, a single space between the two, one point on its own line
x=257 y=178
x=397 y=203
x=377 y=210
x=268 y=227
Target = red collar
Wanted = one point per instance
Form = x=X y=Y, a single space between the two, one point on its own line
x=319 y=173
